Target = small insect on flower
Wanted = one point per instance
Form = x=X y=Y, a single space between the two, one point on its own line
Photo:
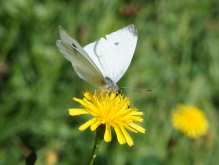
x=111 y=109
x=190 y=120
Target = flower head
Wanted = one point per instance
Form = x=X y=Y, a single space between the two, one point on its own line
x=113 y=110
x=190 y=120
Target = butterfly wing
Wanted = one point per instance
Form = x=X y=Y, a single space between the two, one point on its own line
x=81 y=62
x=114 y=54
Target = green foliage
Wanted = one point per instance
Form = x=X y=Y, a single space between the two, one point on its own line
x=177 y=56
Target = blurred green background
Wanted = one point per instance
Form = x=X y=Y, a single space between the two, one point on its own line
x=177 y=55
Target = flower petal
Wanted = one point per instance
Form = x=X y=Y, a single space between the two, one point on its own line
x=80 y=101
x=127 y=137
x=137 y=127
x=136 y=113
x=87 y=124
x=95 y=125
x=137 y=118
x=120 y=136
x=88 y=95
x=130 y=129
x=75 y=111
x=107 y=134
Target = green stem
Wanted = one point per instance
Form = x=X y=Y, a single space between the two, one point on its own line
x=98 y=139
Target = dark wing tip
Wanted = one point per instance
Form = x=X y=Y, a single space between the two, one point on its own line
x=132 y=29
x=61 y=28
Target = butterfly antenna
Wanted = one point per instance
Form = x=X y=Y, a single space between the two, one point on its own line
x=140 y=89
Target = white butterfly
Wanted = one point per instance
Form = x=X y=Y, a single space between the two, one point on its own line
x=103 y=62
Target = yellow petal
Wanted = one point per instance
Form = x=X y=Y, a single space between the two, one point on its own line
x=112 y=96
x=120 y=136
x=107 y=134
x=130 y=128
x=88 y=95
x=123 y=113
x=124 y=105
x=137 y=118
x=87 y=124
x=127 y=137
x=137 y=113
x=137 y=127
x=75 y=111
x=95 y=125
x=121 y=123
x=80 y=101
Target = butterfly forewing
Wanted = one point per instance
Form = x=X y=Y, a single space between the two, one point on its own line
x=67 y=38
x=81 y=62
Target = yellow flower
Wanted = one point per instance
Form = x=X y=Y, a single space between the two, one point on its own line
x=111 y=109
x=190 y=120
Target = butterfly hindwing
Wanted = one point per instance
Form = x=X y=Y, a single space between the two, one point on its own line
x=114 y=54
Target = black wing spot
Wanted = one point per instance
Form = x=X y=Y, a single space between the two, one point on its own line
x=117 y=43
x=74 y=46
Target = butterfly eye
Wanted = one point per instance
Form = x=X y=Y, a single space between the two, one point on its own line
x=117 y=43
x=74 y=46
x=109 y=80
